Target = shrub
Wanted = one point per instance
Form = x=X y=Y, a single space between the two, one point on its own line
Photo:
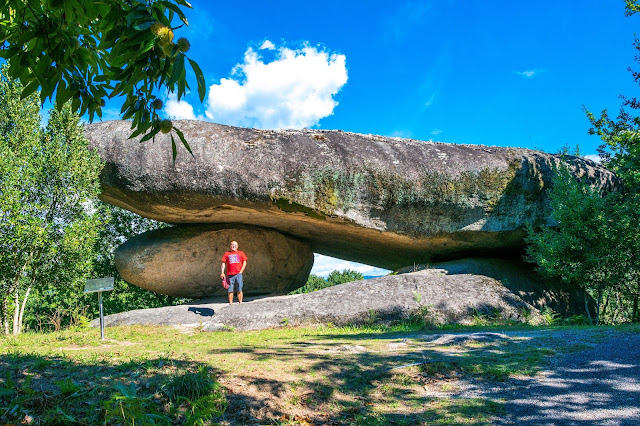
x=315 y=282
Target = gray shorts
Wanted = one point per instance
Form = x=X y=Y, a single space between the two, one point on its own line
x=233 y=280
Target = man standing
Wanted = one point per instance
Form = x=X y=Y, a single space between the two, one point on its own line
x=235 y=262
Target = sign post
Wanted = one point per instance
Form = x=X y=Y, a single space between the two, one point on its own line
x=99 y=285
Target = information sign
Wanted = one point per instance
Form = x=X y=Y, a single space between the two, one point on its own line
x=99 y=285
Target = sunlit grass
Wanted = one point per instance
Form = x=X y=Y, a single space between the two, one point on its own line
x=351 y=375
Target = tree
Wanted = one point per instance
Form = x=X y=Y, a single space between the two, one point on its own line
x=48 y=179
x=19 y=135
x=581 y=249
x=66 y=304
x=344 y=276
x=315 y=282
x=620 y=152
x=122 y=225
x=86 y=51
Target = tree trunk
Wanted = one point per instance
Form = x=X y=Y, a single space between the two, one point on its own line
x=5 y=314
x=16 y=310
x=16 y=294
x=616 y=309
x=24 y=303
x=634 y=315
x=606 y=305
x=598 y=307
x=586 y=307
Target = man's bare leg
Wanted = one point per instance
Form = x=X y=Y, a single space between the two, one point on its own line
x=231 y=297
x=240 y=297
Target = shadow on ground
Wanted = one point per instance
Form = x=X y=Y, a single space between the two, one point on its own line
x=596 y=386
x=326 y=380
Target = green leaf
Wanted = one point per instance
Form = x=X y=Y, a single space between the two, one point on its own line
x=63 y=95
x=202 y=88
x=137 y=132
x=137 y=14
x=177 y=69
x=150 y=134
x=184 y=3
x=176 y=9
x=184 y=141
x=144 y=25
x=148 y=46
x=29 y=89
x=69 y=12
x=174 y=150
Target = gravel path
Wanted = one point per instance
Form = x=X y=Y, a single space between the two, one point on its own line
x=598 y=386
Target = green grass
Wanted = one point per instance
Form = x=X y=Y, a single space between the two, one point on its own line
x=344 y=375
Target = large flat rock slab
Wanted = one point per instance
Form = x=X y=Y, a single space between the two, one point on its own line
x=520 y=278
x=185 y=260
x=387 y=202
x=460 y=298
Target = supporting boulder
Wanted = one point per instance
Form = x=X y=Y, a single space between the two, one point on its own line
x=185 y=260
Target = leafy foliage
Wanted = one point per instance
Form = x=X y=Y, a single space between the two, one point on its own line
x=87 y=51
x=620 y=152
x=49 y=179
x=595 y=245
x=61 y=306
x=315 y=282
x=122 y=225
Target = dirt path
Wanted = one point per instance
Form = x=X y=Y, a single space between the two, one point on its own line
x=598 y=386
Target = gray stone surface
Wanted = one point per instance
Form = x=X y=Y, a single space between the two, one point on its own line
x=520 y=278
x=383 y=201
x=185 y=260
x=448 y=298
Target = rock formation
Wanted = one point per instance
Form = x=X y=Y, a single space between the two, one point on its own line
x=519 y=278
x=383 y=201
x=185 y=260
x=431 y=293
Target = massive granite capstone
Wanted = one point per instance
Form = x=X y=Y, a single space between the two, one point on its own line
x=387 y=202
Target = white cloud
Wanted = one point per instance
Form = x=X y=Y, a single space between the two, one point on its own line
x=324 y=265
x=267 y=45
x=178 y=109
x=435 y=132
x=593 y=157
x=527 y=73
x=293 y=91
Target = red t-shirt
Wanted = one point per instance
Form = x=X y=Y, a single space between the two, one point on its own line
x=234 y=260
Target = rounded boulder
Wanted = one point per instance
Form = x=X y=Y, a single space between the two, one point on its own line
x=185 y=260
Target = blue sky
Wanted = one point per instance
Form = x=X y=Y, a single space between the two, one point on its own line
x=501 y=72
x=509 y=74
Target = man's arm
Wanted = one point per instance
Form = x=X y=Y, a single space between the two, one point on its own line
x=222 y=270
x=244 y=265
